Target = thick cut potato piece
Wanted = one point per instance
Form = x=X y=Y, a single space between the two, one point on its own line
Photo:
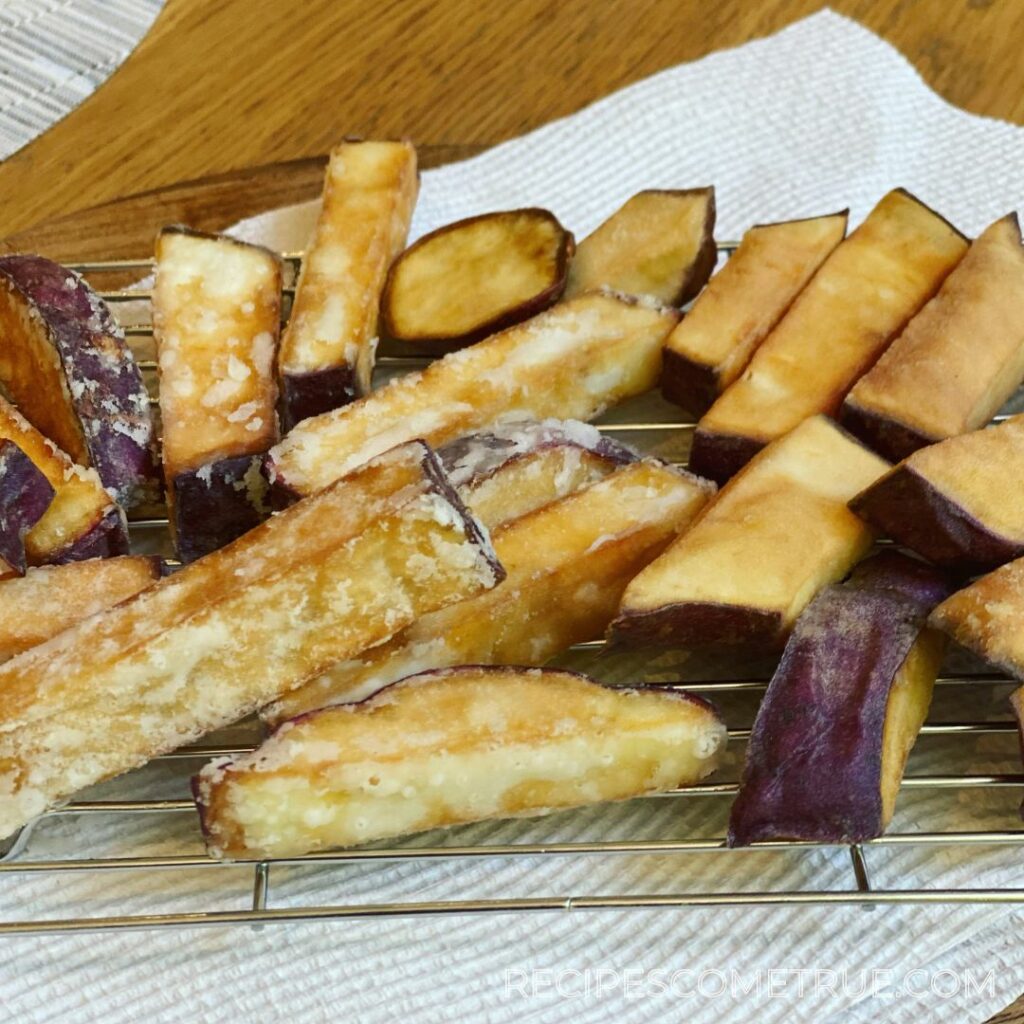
x=860 y=298
x=567 y=563
x=344 y=570
x=957 y=361
x=82 y=520
x=659 y=243
x=51 y=598
x=216 y=314
x=986 y=616
x=448 y=747
x=328 y=348
x=950 y=502
x=715 y=340
x=66 y=365
x=832 y=735
x=25 y=494
x=469 y=279
x=572 y=361
x=777 y=534
x=516 y=467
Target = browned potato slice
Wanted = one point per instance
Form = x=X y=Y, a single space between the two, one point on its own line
x=48 y=600
x=342 y=571
x=741 y=304
x=469 y=279
x=572 y=361
x=986 y=616
x=659 y=243
x=957 y=361
x=328 y=348
x=567 y=563
x=863 y=295
x=448 y=747
x=777 y=534
x=216 y=316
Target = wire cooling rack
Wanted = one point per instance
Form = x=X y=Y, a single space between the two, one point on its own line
x=991 y=738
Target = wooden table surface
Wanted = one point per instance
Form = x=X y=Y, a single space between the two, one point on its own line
x=216 y=88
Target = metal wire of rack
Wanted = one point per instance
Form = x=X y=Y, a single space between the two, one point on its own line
x=16 y=855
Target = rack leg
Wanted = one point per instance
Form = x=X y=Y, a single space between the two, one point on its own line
x=860 y=871
x=260 y=889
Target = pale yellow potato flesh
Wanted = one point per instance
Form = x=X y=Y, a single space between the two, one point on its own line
x=51 y=598
x=80 y=501
x=909 y=700
x=449 y=747
x=860 y=298
x=656 y=244
x=370 y=190
x=752 y=291
x=962 y=356
x=572 y=361
x=568 y=563
x=777 y=533
x=216 y=316
x=198 y=650
x=986 y=616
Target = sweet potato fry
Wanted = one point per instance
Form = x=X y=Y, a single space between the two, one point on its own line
x=448 y=747
x=25 y=495
x=344 y=570
x=568 y=563
x=51 y=598
x=328 y=348
x=572 y=361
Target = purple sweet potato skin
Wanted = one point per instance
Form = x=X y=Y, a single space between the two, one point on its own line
x=105 y=539
x=813 y=769
x=890 y=438
x=25 y=494
x=110 y=399
x=475 y=457
x=719 y=457
x=910 y=510
x=213 y=506
x=691 y=624
x=692 y=386
x=310 y=394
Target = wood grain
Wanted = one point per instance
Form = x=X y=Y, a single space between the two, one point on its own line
x=247 y=95
x=218 y=87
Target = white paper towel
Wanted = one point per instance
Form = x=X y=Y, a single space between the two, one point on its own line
x=821 y=116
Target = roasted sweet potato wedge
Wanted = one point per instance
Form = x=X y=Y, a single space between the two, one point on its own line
x=522 y=465
x=477 y=276
x=957 y=361
x=778 y=533
x=82 y=520
x=857 y=302
x=715 y=340
x=344 y=570
x=985 y=617
x=216 y=314
x=448 y=747
x=66 y=365
x=52 y=598
x=568 y=563
x=659 y=243
x=573 y=361
x=25 y=495
x=832 y=735
x=328 y=348
x=950 y=501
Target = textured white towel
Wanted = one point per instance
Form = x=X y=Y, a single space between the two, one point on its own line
x=821 y=116
x=54 y=53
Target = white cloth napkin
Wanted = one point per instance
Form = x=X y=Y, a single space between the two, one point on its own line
x=820 y=116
